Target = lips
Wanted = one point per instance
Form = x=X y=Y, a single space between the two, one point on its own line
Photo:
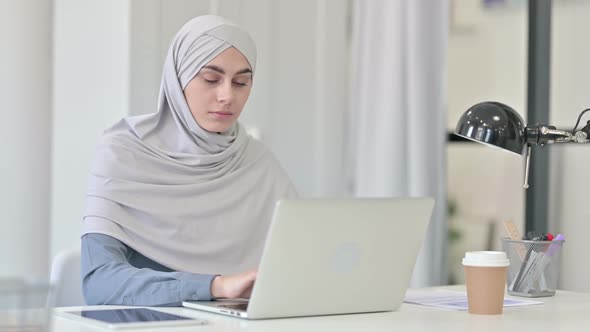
x=221 y=115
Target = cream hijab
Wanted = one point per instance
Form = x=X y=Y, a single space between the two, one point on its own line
x=186 y=198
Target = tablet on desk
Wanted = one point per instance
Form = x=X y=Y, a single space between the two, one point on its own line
x=129 y=318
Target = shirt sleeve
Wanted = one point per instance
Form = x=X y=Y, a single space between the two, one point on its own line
x=109 y=278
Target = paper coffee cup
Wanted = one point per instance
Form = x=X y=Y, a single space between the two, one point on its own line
x=485 y=274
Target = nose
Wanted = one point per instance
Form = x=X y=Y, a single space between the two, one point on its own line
x=225 y=93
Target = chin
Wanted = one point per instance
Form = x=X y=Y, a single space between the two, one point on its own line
x=217 y=128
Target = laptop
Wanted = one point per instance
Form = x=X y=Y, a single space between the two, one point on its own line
x=333 y=256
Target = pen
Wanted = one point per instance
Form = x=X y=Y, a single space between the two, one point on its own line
x=533 y=262
x=523 y=266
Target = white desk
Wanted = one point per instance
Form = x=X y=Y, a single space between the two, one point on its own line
x=567 y=311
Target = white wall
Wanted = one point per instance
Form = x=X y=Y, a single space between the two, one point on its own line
x=309 y=101
x=152 y=25
x=25 y=91
x=91 y=91
x=145 y=50
x=487 y=58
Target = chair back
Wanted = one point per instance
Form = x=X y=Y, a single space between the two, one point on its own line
x=66 y=279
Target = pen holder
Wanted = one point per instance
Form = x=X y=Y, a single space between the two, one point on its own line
x=24 y=305
x=534 y=267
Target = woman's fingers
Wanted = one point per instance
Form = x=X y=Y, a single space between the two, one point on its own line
x=234 y=286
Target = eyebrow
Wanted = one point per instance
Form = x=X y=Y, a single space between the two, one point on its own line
x=220 y=70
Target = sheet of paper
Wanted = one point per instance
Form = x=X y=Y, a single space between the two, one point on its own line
x=453 y=300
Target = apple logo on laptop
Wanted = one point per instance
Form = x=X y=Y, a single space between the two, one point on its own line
x=346 y=258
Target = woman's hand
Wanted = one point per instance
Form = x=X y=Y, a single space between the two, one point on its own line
x=234 y=286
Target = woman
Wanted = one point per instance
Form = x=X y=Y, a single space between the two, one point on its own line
x=179 y=201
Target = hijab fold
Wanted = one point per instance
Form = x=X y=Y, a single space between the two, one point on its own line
x=189 y=199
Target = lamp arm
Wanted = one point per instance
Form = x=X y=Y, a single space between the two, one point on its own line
x=543 y=134
x=553 y=135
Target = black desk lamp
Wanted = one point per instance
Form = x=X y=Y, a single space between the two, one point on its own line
x=497 y=125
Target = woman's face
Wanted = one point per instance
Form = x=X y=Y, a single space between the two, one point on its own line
x=217 y=94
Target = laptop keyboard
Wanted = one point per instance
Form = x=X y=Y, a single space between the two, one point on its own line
x=236 y=306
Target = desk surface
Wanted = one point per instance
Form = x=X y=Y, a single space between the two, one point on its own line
x=567 y=311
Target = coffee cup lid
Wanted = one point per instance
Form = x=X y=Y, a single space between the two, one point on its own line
x=486 y=258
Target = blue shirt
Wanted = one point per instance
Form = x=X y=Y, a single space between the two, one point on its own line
x=113 y=273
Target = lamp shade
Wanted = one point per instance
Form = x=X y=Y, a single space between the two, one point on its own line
x=494 y=124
